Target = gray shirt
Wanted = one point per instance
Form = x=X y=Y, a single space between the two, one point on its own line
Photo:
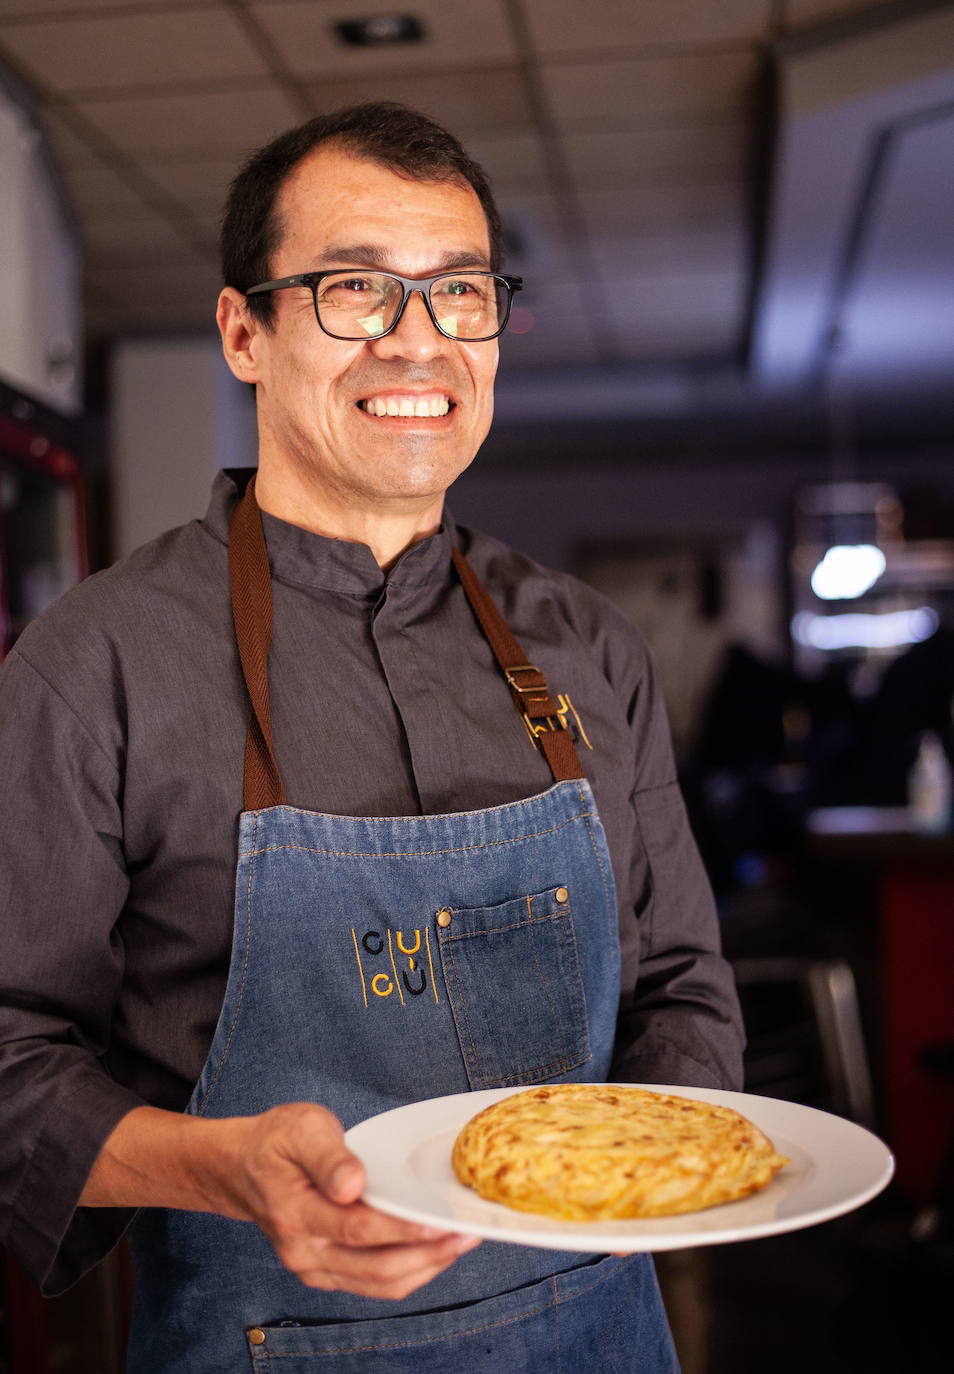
x=122 y=730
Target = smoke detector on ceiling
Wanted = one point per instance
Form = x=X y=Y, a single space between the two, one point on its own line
x=380 y=29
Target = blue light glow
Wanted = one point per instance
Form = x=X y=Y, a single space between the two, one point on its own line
x=890 y=630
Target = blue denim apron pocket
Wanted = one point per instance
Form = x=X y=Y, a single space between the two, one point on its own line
x=513 y=979
x=604 y=1317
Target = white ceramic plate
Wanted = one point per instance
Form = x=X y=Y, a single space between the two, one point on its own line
x=836 y=1166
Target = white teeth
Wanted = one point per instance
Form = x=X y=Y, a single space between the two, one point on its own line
x=408 y=407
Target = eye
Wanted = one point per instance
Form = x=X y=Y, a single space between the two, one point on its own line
x=354 y=291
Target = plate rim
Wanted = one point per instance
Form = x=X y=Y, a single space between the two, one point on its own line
x=507 y=1226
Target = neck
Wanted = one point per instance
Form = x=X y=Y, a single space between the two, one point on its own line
x=387 y=528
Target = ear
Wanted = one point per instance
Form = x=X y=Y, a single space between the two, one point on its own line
x=238 y=329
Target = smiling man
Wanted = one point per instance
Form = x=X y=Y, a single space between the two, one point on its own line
x=366 y=420
x=326 y=805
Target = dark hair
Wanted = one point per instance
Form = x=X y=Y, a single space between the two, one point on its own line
x=400 y=139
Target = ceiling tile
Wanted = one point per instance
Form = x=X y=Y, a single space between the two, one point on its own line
x=680 y=294
x=678 y=313
x=208 y=217
x=125 y=50
x=120 y=208
x=201 y=181
x=566 y=26
x=535 y=234
x=94 y=187
x=633 y=255
x=145 y=238
x=67 y=145
x=216 y=122
x=56 y=9
x=514 y=162
x=486 y=99
x=668 y=209
x=800 y=14
x=621 y=94
x=458 y=33
x=656 y=156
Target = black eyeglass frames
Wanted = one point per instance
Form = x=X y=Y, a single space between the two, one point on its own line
x=357 y=304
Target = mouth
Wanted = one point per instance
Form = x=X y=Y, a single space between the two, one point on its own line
x=408 y=405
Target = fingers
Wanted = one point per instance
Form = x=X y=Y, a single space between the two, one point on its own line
x=391 y=1272
x=361 y=1250
x=355 y=1225
x=304 y=1188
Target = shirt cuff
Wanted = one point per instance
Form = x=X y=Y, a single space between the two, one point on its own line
x=55 y=1240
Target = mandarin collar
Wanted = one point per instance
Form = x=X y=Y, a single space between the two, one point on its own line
x=298 y=556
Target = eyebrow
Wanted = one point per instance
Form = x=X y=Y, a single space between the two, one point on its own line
x=376 y=255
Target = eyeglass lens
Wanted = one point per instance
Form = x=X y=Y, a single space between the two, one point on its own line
x=364 y=305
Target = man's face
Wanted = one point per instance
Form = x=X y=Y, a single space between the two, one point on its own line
x=313 y=391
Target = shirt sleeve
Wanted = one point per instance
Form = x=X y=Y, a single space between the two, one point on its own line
x=679 y=1020
x=62 y=887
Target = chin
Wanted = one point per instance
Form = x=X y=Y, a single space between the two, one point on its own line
x=419 y=476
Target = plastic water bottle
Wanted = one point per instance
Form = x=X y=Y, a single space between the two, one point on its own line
x=929 y=787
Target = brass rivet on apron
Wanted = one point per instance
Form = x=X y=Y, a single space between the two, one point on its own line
x=562 y=894
x=256 y=1336
x=444 y=917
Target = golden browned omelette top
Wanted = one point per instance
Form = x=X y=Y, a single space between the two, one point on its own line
x=597 y=1152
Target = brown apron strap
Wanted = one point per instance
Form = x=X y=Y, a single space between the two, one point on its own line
x=251 y=587
x=545 y=723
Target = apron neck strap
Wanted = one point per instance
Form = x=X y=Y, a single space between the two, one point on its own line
x=543 y=718
x=251 y=591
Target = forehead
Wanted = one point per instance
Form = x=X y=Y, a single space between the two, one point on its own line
x=334 y=198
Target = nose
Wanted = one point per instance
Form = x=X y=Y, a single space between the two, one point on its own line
x=415 y=335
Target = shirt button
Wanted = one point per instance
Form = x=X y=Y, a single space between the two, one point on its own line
x=562 y=894
x=444 y=917
x=256 y=1336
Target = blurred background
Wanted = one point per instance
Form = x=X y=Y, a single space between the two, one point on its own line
x=725 y=399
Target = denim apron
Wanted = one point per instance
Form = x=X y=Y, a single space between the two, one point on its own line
x=382 y=961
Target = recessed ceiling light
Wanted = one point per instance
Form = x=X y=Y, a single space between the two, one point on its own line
x=380 y=28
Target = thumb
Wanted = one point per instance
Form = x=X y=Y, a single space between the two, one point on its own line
x=345 y=1182
x=340 y=1174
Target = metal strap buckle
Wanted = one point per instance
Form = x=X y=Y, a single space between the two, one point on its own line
x=565 y=708
x=509 y=673
x=542 y=724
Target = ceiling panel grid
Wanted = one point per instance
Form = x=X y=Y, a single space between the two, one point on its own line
x=619 y=136
x=128 y=50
